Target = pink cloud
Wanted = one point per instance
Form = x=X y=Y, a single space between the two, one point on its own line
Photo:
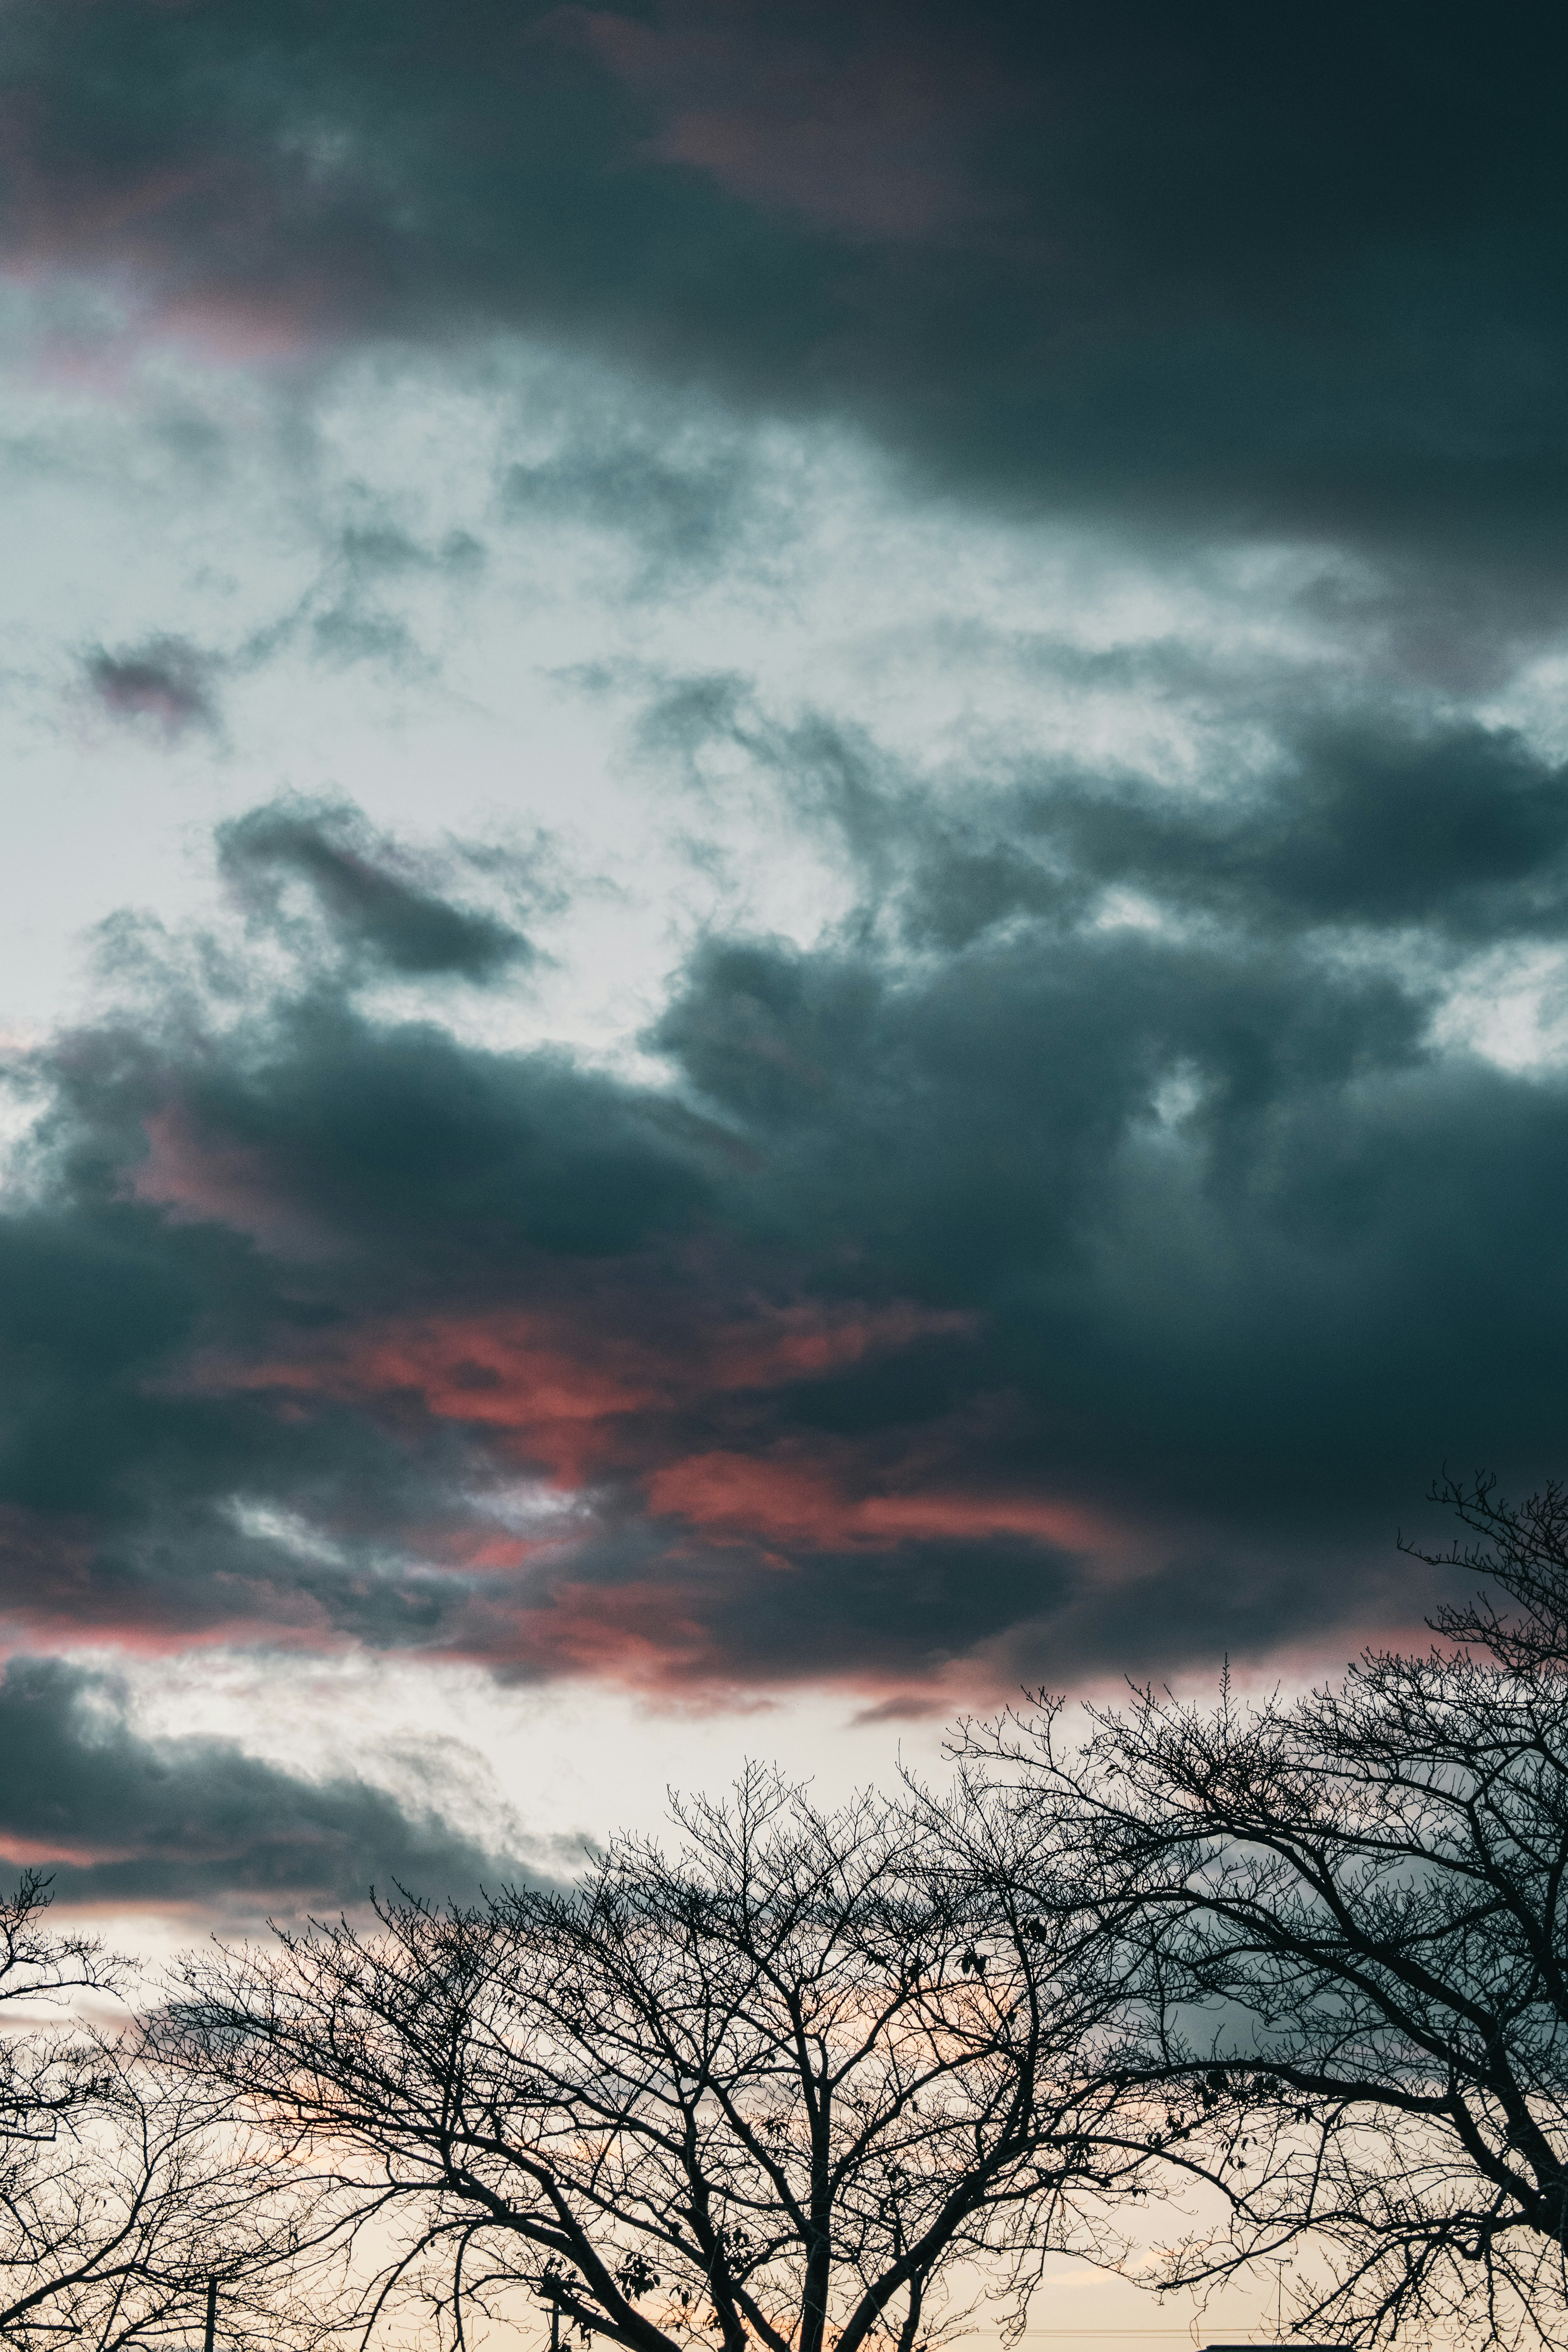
x=552 y=1400
x=560 y=1388
x=615 y=1399
x=39 y=1854
x=647 y=1635
x=791 y=1499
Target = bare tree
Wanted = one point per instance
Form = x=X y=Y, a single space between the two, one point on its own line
x=1347 y=1916
x=1523 y=1551
x=125 y=2187
x=767 y=2091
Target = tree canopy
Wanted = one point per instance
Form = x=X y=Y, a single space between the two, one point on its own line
x=1348 y=1918
x=798 y=2079
x=769 y=2087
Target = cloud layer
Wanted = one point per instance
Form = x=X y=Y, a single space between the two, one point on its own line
x=1056 y=519
x=1294 y=275
x=1070 y=1262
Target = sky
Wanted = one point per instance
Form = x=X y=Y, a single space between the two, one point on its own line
x=786 y=856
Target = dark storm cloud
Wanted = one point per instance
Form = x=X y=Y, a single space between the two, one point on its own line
x=905 y=1610
x=203 y=1204
x=1081 y=1258
x=1299 y=270
x=122 y=1820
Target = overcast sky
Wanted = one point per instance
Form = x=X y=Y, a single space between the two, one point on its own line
x=786 y=856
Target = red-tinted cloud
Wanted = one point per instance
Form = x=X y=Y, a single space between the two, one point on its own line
x=796 y=1499
x=900 y=1338
x=575 y=1392
x=597 y=1403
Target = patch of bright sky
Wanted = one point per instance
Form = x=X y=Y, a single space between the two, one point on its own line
x=1511 y=1006
x=1536 y=702
x=554 y=1764
x=555 y=1767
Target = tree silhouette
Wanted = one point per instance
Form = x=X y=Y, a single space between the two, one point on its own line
x=1348 y=1916
x=768 y=2089
x=125 y=2186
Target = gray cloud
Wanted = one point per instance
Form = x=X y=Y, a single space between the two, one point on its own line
x=1080 y=1254
x=379 y=902
x=1297 y=276
x=167 y=682
x=197 y=1822
x=980 y=1246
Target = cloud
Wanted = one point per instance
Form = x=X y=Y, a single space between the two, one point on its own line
x=1290 y=278
x=387 y=917
x=1079 y=1257
x=1072 y=1247
x=841 y=120
x=122 y=1820
x=167 y=683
